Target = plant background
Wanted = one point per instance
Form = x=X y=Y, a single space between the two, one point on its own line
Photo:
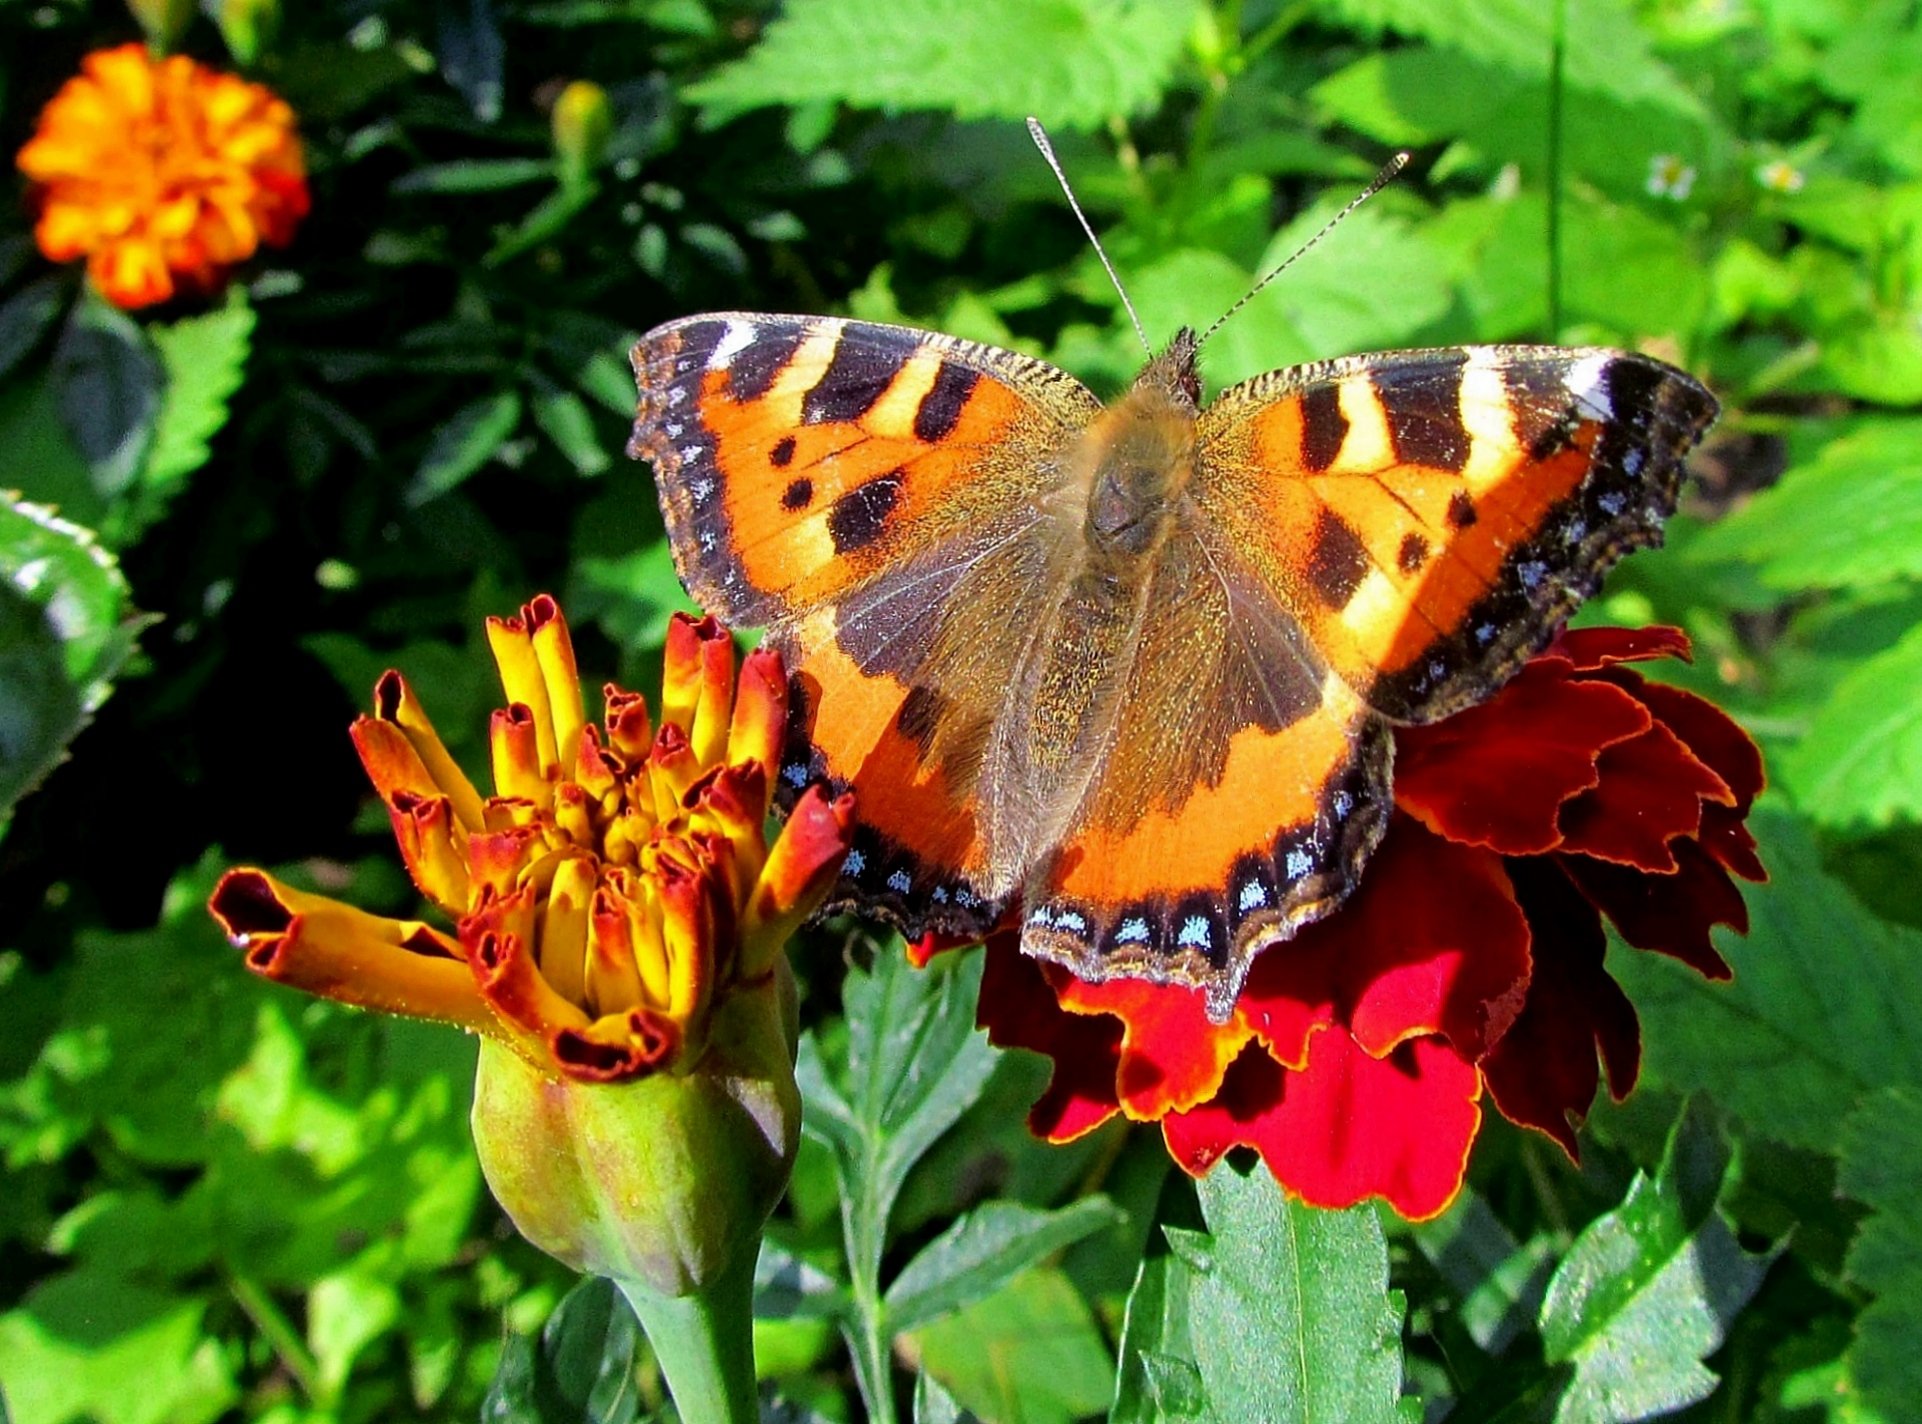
x=225 y=1201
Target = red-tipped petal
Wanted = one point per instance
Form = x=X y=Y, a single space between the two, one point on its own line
x=512 y=643
x=396 y=705
x=760 y=716
x=1348 y=1127
x=1543 y=1074
x=317 y=944
x=424 y=829
x=617 y=1048
x=697 y=683
x=1497 y=775
x=514 y=748
x=800 y=870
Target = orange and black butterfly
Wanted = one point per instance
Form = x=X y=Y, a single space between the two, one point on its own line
x=1130 y=670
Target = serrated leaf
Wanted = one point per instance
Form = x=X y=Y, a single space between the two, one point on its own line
x=1819 y=1013
x=464 y=442
x=1860 y=762
x=108 y=384
x=1155 y=1374
x=983 y=1251
x=1289 y=1310
x=1073 y=63
x=1647 y=1291
x=66 y=628
x=1848 y=512
x=580 y=1372
x=205 y=360
x=1881 y=1165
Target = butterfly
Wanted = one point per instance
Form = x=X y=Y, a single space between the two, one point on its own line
x=1130 y=671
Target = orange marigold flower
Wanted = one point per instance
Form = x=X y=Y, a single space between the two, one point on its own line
x=616 y=888
x=1469 y=959
x=162 y=173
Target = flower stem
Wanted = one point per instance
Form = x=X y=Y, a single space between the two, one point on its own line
x=705 y=1344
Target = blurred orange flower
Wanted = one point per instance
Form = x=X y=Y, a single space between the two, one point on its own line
x=162 y=173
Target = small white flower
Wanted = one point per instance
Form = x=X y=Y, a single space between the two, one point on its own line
x=1781 y=176
x=1669 y=177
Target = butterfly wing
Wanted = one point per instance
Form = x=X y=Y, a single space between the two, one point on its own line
x=1381 y=538
x=872 y=496
x=1431 y=517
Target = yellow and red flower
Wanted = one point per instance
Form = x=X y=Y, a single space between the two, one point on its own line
x=1468 y=960
x=162 y=173
x=618 y=925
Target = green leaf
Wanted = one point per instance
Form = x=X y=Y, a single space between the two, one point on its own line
x=565 y=419
x=1881 y=1166
x=1073 y=63
x=1860 y=764
x=1848 y=512
x=1647 y=1290
x=934 y=1405
x=108 y=383
x=983 y=1251
x=786 y=1287
x=28 y=315
x=581 y=1371
x=1031 y=1351
x=465 y=442
x=1497 y=1282
x=66 y=628
x=1156 y=1378
x=475 y=175
x=1820 y=1011
x=1289 y=1311
x=89 y=1345
x=205 y=359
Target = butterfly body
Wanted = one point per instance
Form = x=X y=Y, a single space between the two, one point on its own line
x=1132 y=668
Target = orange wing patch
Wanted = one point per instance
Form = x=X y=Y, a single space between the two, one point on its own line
x=1431 y=517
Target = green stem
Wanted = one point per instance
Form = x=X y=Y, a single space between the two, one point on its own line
x=869 y=1342
x=284 y=1339
x=1557 y=56
x=705 y=1343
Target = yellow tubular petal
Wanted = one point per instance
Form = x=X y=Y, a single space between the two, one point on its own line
x=760 y=717
x=390 y=760
x=687 y=929
x=801 y=866
x=714 y=711
x=614 y=982
x=513 y=743
x=317 y=944
x=564 y=928
x=554 y=652
x=629 y=730
x=432 y=846
x=521 y=680
x=395 y=703
x=671 y=769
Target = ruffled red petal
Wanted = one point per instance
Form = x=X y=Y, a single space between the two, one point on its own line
x=1651 y=791
x=1172 y=1057
x=1543 y=1074
x=1592 y=649
x=1348 y=1127
x=1670 y=914
x=1498 y=775
x=1431 y=943
x=1019 y=1010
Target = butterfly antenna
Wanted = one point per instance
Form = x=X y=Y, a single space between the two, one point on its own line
x=1040 y=137
x=1390 y=171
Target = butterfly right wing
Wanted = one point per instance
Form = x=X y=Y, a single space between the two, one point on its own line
x=873 y=496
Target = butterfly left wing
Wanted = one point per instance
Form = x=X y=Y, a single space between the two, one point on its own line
x=871 y=495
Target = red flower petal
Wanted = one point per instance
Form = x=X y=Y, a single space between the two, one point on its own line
x=1497 y=775
x=1347 y=1128
x=1171 y=1056
x=1592 y=649
x=1543 y=1074
x=1651 y=791
x=1019 y=1010
x=1670 y=914
x=1715 y=737
x=1431 y=943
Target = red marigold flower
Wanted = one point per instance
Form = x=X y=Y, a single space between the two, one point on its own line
x=162 y=173
x=1469 y=959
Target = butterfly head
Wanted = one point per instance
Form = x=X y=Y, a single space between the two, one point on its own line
x=1174 y=372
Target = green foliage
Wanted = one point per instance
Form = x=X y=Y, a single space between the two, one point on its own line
x=66 y=629
x=224 y=1202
